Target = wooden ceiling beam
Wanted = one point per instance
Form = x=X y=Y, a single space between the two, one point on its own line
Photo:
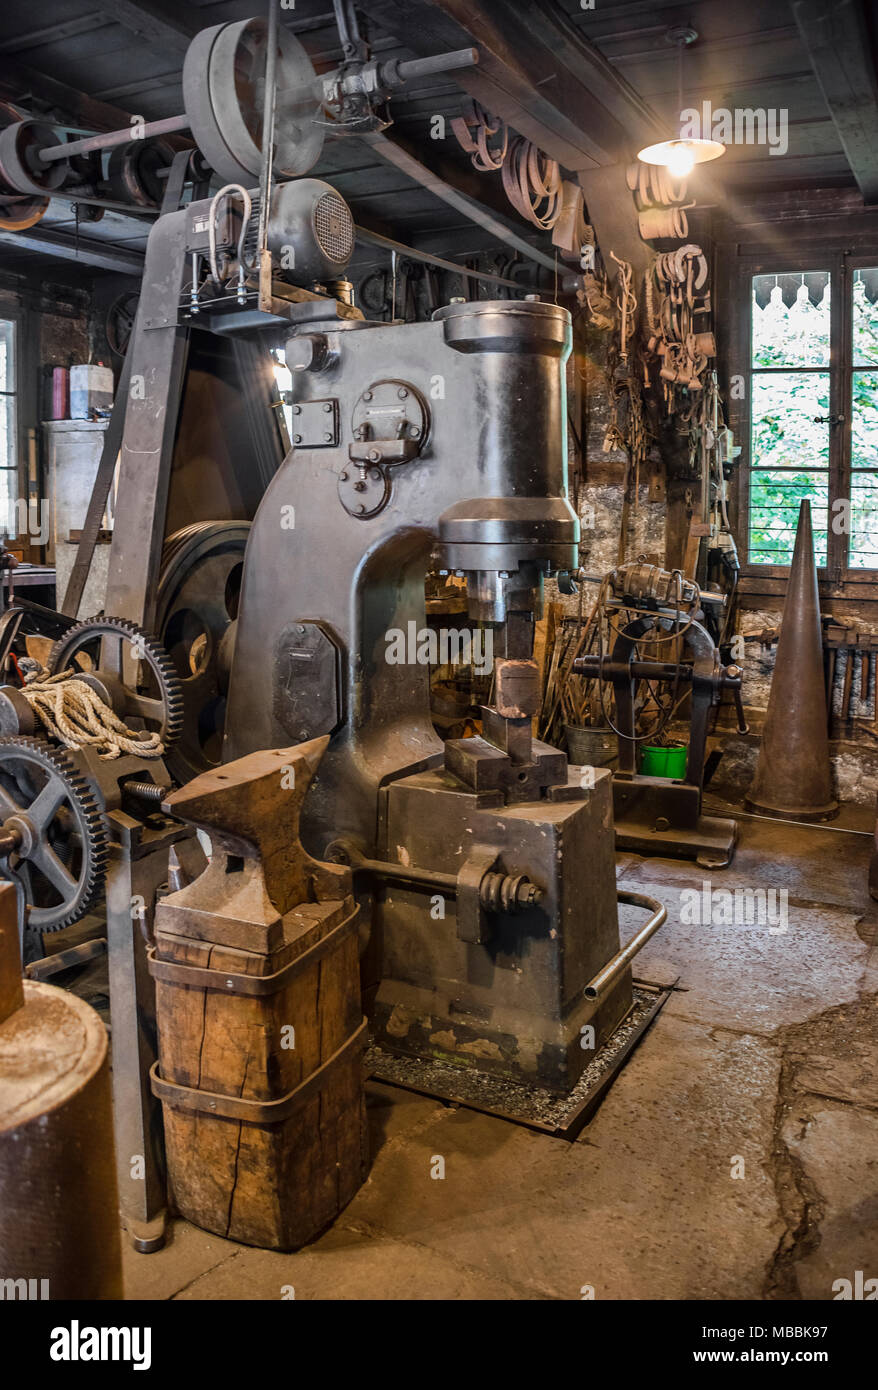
x=173 y=26
x=64 y=246
x=536 y=70
x=839 y=45
x=21 y=85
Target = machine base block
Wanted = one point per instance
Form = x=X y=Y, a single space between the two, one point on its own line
x=653 y=815
x=711 y=843
x=561 y=1116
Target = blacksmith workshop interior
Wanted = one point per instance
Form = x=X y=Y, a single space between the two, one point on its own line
x=438 y=641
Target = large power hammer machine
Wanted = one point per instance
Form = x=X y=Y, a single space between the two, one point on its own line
x=484 y=867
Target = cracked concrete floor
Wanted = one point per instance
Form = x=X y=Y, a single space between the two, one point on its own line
x=735 y=1157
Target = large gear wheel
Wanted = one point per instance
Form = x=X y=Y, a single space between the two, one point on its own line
x=53 y=832
x=143 y=684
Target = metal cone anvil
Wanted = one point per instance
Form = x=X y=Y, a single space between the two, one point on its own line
x=259 y=870
x=793 y=778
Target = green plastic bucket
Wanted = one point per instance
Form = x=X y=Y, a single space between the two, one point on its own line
x=663 y=762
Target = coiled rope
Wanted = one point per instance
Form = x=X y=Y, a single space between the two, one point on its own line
x=72 y=712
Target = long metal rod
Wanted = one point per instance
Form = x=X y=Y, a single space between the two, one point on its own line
x=405 y=873
x=606 y=978
x=376 y=239
x=412 y=69
x=269 y=103
x=171 y=125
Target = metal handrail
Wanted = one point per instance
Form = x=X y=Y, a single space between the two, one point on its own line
x=598 y=987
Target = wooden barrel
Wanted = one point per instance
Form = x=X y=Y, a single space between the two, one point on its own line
x=59 y=1207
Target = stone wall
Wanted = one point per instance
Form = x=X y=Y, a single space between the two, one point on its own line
x=854 y=748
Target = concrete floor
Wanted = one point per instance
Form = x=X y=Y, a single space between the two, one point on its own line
x=762 y=1063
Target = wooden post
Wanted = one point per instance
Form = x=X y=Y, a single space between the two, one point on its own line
x=258 y=1008
x=11 y=988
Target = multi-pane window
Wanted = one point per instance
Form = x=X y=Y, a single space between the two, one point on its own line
x=864 y=421
x=8 y=434
x=814 y=415
x=789 y=450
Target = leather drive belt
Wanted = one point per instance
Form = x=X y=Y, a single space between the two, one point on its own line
x=202 y=976
x=254 y=1112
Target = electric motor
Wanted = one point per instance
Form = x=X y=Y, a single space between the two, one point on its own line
x=310 y=231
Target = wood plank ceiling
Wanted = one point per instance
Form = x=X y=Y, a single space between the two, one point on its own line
x=127 y=58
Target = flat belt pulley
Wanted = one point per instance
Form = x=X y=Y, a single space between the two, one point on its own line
x=18 y=210
x=133 y=172
x=21 y=169
x=223 y=81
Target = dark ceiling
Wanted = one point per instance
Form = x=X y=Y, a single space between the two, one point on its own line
x=128 y=58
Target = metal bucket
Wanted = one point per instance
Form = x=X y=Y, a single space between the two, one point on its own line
x=590 y=747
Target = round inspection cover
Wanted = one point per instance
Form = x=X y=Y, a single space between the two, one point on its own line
x=223 y=81
x=363 y=492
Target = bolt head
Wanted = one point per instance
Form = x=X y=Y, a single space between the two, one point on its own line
x=367 y=395
x=327 y=407
x=402 y=393
x=328 y=437
x=344 y=477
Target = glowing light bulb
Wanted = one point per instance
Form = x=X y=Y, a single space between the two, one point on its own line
x=680 y=160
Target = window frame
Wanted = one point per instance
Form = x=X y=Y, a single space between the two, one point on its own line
x=10 y=316
x=796 y=262
x=805 y=247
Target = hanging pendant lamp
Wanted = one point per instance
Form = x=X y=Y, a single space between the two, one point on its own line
x=679 y=156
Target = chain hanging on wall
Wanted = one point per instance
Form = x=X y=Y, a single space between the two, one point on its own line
x=676 y=298
x=627 y=431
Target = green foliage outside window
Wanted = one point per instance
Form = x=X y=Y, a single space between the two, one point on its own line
x=789 y=451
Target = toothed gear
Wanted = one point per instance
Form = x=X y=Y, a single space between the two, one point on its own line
x=162 y=712
x=63 y=837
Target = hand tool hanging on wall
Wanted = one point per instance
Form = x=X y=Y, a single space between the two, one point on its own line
x=531 y=180
x=474 y=130
x=676 y=295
